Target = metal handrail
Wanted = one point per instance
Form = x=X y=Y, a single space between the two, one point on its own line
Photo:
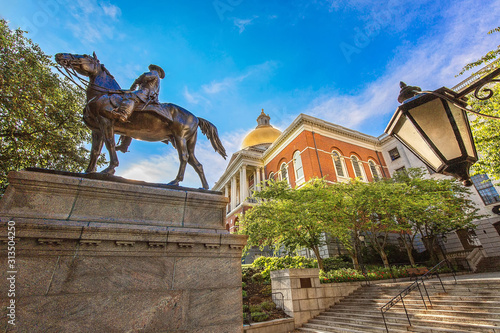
x=416 y=285
x=281 y=304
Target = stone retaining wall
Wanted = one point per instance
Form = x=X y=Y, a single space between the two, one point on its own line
x=284 y=325
x=304 y=296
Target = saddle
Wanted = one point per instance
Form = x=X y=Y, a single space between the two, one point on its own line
x=162 y=109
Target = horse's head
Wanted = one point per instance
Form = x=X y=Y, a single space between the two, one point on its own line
x=82 y=64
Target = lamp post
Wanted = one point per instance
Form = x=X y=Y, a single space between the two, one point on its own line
x=434 y=126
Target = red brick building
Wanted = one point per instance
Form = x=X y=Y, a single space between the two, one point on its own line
x=308 y=148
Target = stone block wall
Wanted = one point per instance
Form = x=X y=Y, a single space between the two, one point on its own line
x=97 y=256
x=489 y=236
x=304 y=296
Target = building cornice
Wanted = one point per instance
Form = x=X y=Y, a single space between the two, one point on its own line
x=241 y=157
x=321 y=127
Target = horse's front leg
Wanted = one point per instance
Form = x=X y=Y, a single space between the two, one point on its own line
x=109 y=140
x=180 y=145
x=95 y=151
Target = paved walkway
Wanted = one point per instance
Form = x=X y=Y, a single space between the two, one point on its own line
x=475 y=276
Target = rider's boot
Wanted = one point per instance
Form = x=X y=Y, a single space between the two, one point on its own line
x=126 y=109
x=124 y=143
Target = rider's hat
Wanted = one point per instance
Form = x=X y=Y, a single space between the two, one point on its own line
x=158 y=69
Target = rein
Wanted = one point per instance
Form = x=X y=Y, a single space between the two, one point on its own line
x=70 y=74
x=69 y=77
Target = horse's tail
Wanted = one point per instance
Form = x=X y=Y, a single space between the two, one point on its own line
x=210 y=131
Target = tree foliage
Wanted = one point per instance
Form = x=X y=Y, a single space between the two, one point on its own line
x=486 y=131
x=406 y=205
x=288 y=217
x=435 y=206
x=40 y=114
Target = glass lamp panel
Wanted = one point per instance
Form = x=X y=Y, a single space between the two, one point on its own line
x=408 y=134
x=464 y=129
x=434 y=122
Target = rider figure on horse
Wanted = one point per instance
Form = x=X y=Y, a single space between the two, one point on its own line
x=148 y=88
x=148 y=85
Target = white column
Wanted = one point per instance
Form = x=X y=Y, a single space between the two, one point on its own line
x=263 y=176
x=226 y=194
x=257 y=180
x=233 y=192
x=243 y=184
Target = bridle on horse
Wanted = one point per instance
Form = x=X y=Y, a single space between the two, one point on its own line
x=71 y=72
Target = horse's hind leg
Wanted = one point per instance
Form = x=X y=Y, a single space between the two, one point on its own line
x=194 y=162
x=95 y=151
x=180 y=145
x=109 y=140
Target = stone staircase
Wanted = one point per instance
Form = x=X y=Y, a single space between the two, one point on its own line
x=471 y=305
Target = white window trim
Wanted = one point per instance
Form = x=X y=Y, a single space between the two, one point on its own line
x=298 y=180
x=377 y=169
x=361 y=168
x=280 y=175
x=342 y=164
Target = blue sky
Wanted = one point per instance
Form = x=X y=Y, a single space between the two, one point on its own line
x=225 y=60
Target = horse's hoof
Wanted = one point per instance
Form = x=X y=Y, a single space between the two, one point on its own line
x=174 y=183
x=110 y=172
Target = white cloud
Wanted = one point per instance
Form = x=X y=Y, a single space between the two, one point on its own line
x=226 y=84
x=211 y=93
x=111 y=10
x=91 y=20
x=241 y=24
x=431 y=63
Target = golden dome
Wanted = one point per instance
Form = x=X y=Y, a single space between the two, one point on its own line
x=264 y=133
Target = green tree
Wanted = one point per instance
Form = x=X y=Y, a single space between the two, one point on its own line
x=290 y=218
x=40 y=114
x=368 y=209
x=435 y=207
x=486 y=131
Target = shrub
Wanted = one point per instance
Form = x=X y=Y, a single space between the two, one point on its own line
x=267 y=291
x=243 y=285
x=340 y=275
x=372 y=273
x=259 y=316
x=255 y=308
x=268 y=306
x=245 y=308
x=248 y=272
x=268 y=264
x=334 y=263
x=244 y=293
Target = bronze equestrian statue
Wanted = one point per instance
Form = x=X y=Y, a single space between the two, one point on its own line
x=108 y=112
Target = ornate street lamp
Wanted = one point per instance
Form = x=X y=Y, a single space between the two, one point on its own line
x=434 y=126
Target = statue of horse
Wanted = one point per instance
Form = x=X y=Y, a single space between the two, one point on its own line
x=166 y=122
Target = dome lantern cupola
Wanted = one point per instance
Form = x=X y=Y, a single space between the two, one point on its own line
x=263 y=134
x=263 y=119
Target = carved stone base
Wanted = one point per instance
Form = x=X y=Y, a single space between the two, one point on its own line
x=100 y=256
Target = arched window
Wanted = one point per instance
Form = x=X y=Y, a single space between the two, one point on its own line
x=338 y=162
x=271 y=176
x=358 y=168
x=297 y=165
x=375 y=170
x=283 y=175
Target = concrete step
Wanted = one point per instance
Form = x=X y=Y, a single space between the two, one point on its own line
x=467 y=306
x=417 y=326
x=362 y=327
x=454 y=319
x=443 y=309
x=416 y=300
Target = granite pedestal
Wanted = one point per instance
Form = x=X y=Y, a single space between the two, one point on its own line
x=97 y=255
